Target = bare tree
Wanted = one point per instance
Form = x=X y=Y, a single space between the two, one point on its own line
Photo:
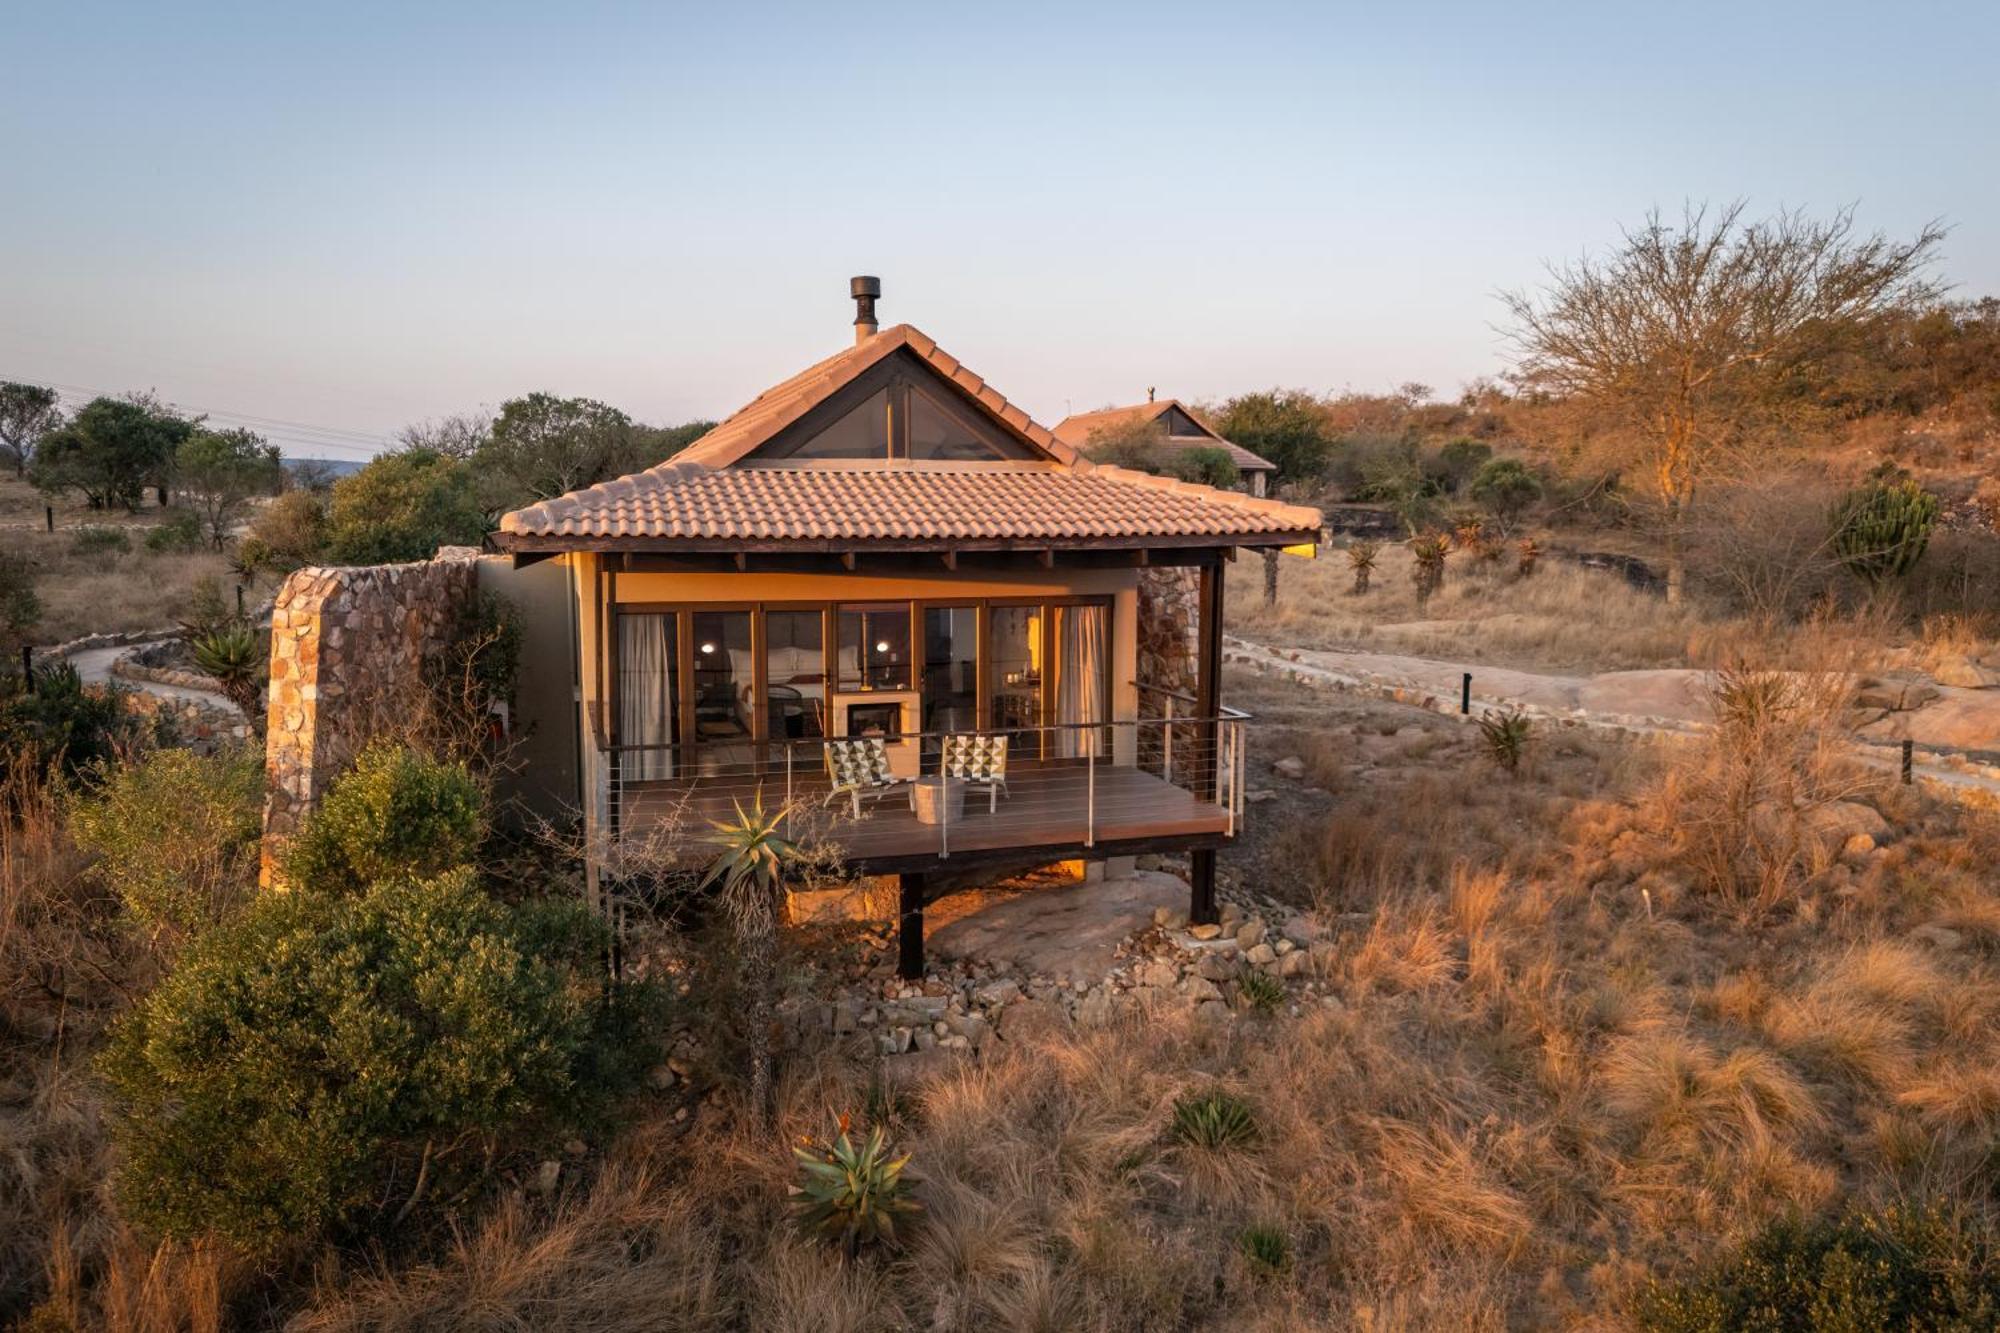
x=458 y=436
x=1676 y=336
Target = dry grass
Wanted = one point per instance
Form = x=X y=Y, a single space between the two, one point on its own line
x=1561 y=1064
x=1563 y=618
x=108 y=591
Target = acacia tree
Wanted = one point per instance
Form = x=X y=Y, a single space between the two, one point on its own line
x=541 y=446
x=217 y=472
x=27 y=413
x=111 y=450
x=1678 y=335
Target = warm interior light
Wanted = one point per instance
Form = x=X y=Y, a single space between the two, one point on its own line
x=708 y=647
x=881 y=645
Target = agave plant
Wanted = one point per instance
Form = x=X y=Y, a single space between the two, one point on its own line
x=235 y=656
x=1430 y=553
x=751 y=857
x=1506 y=738
x=1361 y=557
x=852 y=1192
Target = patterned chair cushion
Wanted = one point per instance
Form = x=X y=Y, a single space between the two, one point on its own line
x=975 y=758
x=861 y=761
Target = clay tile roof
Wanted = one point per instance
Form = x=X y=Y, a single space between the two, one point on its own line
x=1075 y=431
x=703 y=500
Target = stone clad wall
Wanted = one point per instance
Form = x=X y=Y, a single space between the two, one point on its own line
x=346 y=645
x=1169 y=630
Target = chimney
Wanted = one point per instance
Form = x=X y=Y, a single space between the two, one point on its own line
x=1149 y=393
x=864 y=291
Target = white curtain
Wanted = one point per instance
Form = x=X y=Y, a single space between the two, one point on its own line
x=1082 y=646
x=645 y=694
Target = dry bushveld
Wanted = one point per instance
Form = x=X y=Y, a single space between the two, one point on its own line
x=1599 y=1021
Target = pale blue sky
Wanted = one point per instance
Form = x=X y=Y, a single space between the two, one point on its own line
x=358 y=214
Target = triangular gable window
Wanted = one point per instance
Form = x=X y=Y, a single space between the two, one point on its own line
x=1180 y=423
x=897 y=410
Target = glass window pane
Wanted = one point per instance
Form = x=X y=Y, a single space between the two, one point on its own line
x=1016 y=671
x=647 y=715
x=795 y=674
x=1080 y=683
x=951 y=668
x=937 y=433
x=875 y=646
x=862 y=433
x=724 y=688
x=1180 y=423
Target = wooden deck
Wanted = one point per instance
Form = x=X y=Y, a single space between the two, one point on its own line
x=1060 y=809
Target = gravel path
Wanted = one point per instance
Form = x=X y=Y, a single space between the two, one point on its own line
x=94 y=666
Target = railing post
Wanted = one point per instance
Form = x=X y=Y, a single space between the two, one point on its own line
x=1090 y=796
x=944 y=802
x=788 y=786
x=1167 y=744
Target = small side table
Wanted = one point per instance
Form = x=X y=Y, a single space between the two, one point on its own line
x=936 y=800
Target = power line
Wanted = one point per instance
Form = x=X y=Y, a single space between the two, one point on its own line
x=304 y=435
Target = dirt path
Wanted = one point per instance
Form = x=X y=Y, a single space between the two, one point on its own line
x=1660 y=702
x=93 y=665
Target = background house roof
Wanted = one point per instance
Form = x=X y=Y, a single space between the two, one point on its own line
x=713 y=496
x=1075 y=431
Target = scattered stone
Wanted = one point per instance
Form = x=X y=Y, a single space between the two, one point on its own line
x=1206 y=930
x=550 y=1172
x=1158 y=972
x=1212 y=1011
x=1200 y=988
x=924 y=1039
x=576 y=1147
x=1295 y=964
x=1250 y=934
x=1217 y=967
x=1857 y=847
x=1942 y=938
x=1261 y=955
x=660 y=1077
x=1259 y=795
x=1300 y=930
x=1094 y=1009
x=996 y=993
x=1291 y=766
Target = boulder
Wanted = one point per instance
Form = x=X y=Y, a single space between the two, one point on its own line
x=1261 y=955
x=996 y=993
x=1250 y=934
x=1158 y=972
x=1291 y=766
x=1966 y=673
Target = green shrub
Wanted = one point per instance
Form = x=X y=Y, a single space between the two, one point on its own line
x=1458 y=462
x=1506 y=488
x=290 y=531
x=178 y=531
x=1907 y=1268
x=97 y=540
x=1214 y=1119
x=175 y=835
x=402 y=506
x=65 y=726
x=1506 y=736
x=20 y=608
x=1262 y=991
x=1210 y=467
x=849 y=1192
x=1881 y=531
x=396 y=814
x=1267 y=1247
x=325 y=1065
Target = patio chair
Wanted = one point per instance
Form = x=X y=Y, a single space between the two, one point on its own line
x=978 y=761
x=858 y=767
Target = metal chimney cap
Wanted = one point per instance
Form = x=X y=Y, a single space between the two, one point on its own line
x=864 y=286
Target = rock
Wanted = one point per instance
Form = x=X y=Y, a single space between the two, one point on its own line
x=897 y=1040
x=1200 y=988
x=1217 y=967
x=1300 y=930
x=1261 y=955
x=660 y=1077
x=923 y=1039
x=846 y=1017
x=1094 y=1009
x=1158 y=972
x=1206 y=930
x=1250 y=934
x=996 y=993
x=1857 y=847
x=1296 y=963
x=1283 y=946
x=1965 y=673
x=576 y=1148
x=1259 y=795
x=1332 y=1004
x=1212 y=1011
x=1942 y=938
x=972 y=1027
x=1838 y=821
x=549 y=1173
x=1291 y=766
x=1229 y=916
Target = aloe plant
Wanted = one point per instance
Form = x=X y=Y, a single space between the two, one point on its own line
x=852 y=1192
x=235 y=655
x=1361 y=557
x=751 y=857
x=1430 y=553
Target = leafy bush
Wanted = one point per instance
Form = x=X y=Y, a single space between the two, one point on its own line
x=320 y=1063
x=1905 y=1268
x=63 y=725
x=175 y=835
x=208 y=609
x=20 y=608
x=396 y=814
x=290 y=531
x=1214 y=1119
x=1458 y=462
x=1210 y=467
x=178 y=531
x=851 y=1192
x=402 y=506
x=98 y=540
x=1506 y=487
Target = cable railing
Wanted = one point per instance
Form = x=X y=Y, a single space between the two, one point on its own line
x=1067 y=785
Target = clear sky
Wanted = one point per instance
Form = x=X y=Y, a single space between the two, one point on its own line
x=358 y=214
